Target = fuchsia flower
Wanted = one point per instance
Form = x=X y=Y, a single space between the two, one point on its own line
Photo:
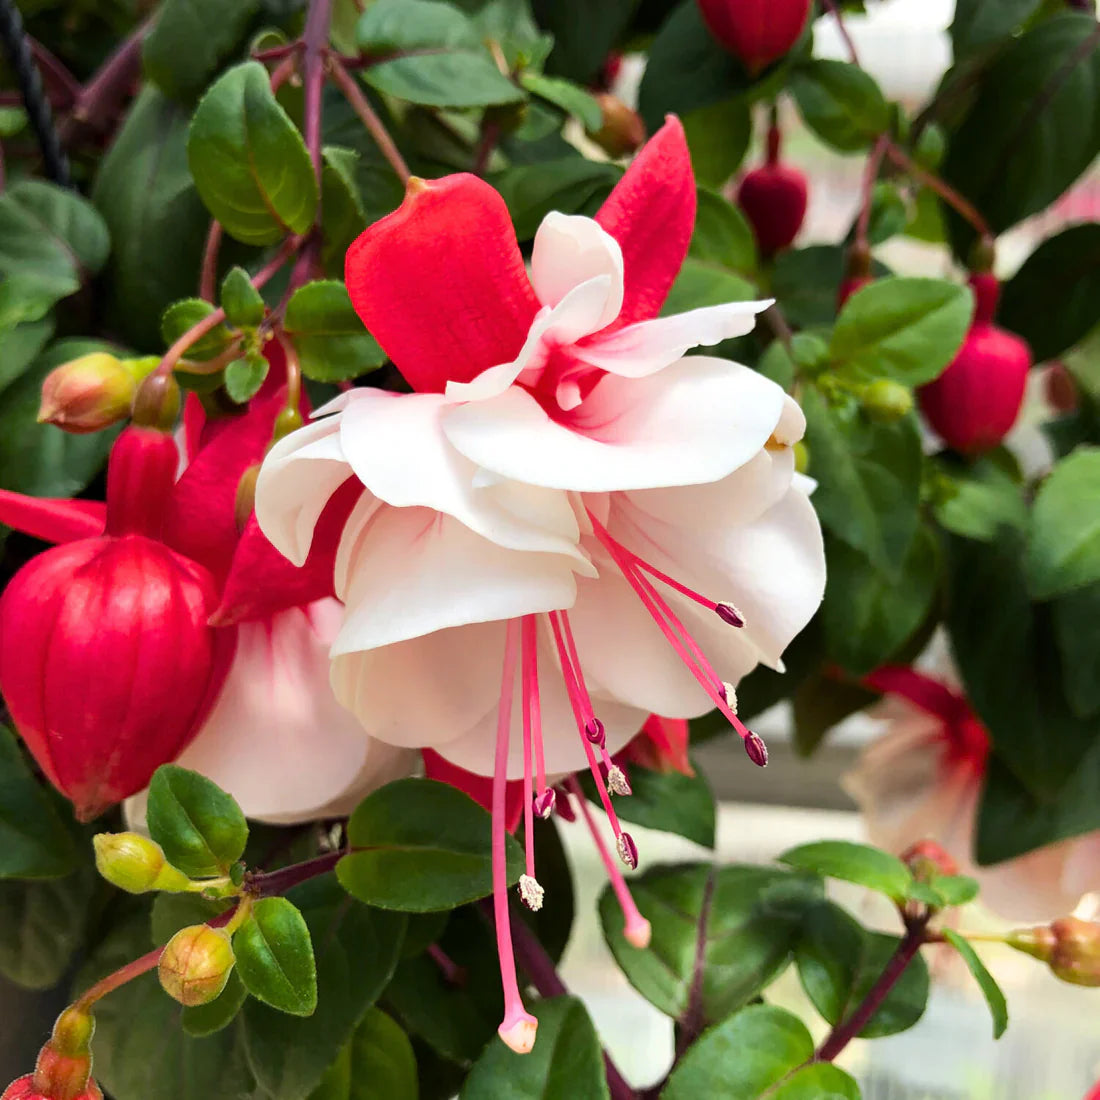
x=564 y=487
x=922 y=781
x=109 y=665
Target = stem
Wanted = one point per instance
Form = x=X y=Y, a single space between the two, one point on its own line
x=870 y=176
x=847 y=1030
x=490 y=135
x=964 y=207
x=369 y=117
x=539 y=967
x=315 y=41
x=208 y=281
x=267 y=885
x=283 y=71
x=849 y=45
x=693 y=1020
x=293 y=372
x=774 y=319
x=66 y=87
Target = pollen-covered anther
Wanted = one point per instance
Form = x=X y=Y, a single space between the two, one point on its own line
x=628 y=850
x=729 y=695
x=617 y=782
x=729 y=614
x=756 y=749
x=594 y=731
x=544 y=802
x=531 y=893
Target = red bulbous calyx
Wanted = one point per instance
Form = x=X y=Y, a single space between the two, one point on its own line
x=24 y=1088
x=107 y=662
x=773 y=198
x=973 y=405
x=757 y=32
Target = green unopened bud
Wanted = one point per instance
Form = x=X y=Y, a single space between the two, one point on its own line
x=246 y=497
x=885 y=401
x=1069 y=946
x=157 y=402
x=196 y=963
x=288 y=420
x=136 y=864
x=931 y=146
x=801 y=457
x=87 y=394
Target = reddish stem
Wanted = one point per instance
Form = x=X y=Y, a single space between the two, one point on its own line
x=834 y=10
x=208 y=281
x=964 y=207
x=870 y=177
x=314 y=43
x=368 y=116
x=56 y=76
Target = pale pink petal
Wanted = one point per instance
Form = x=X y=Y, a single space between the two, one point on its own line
x=569 y=250
x=650 y=346
x=629 y=433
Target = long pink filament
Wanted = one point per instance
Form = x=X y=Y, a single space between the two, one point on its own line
x=530 y=699
x=636 y=927
x=517 y=1029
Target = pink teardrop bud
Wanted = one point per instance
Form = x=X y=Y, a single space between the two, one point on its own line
x=757 y=32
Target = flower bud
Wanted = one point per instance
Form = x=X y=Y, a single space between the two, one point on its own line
x=136 y=864
x=196 y=963
x=1071 y=947
x=64 y=1065
x=756 y=31
x=25 y=1089
x=885 y=402
x=1060 y=388
x=926 y=858
x=87 y=394
x=622 y=131
x=157 y=402
x=245 y=500
x=774 y=198
x=801 y=457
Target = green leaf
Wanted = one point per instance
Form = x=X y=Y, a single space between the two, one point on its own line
x=722 y=235
x=40 y=459
x=757 y=1053
x=985 y=498
x=42 y=926
x=806 y=281
x=249 y=162
x=1051 y=300
x=422 y=846
x=244 y=377
x=1025 y=138
x=331 y=341
x=718 y=138
x=199 y=826
x=904 y=329
x=342 y=203
x=146 y=195
x=357 y=949
x=51 y=236
x=34 y=842
x=821 y=701
x=868 y=478
x=668 y=801
x=955 y=889
x=839 y=961
x=743 y=919
x=442 y=58
x=183 y=315
x=981 y=23
x=856 y=863
x=382 y=1063
x=1064 y=551
x=201 y=1020
x=275 y=957
x=584 y=34
x=572 y=99
x=998 y=1008
x=867 y=614
x=705 y=284
x=840 y=102
x=566 y=1063
x=243 y=305
x=191 y=41
x=1077 y=632
x=572 y=185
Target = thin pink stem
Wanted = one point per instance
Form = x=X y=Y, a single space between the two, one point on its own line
x=846 y=38
x=529 y=698
x=517 y=1028
x=636 y=927
x=208 y=281
x=369 y=117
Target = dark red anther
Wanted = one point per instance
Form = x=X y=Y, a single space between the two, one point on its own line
x=729 y=614
x=544 y=802
x=757 y=750
x=594 y=731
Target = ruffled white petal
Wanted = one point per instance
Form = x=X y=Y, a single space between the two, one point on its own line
x=296 y=480
x=694 y=422
x=570 y=250
x=650 y=346
x=396 y=447
x=405 y=572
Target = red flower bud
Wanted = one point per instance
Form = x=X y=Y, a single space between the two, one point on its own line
x=975 y=402
x=24 y=1089
x=927 y=858
x=1061 y=389
x=107 y=663
x=64 y=1066
x=773 y=198
x=756 y=31
x=622 y=131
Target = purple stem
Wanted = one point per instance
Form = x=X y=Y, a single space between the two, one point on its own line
x=278 y=882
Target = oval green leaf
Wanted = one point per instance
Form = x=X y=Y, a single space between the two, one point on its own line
x=991 y=991
x=331 y=342
x=840 y=102
x=856 y=863
x=1064 y=549
x=275 y=957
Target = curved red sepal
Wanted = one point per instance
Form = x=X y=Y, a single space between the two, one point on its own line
x=478 y=787
x=51 y=519
x=922 y=691
x=662 y=745
x=651 y=213
x=140 y=474
x=440 y=282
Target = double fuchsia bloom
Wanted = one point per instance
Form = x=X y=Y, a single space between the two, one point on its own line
x=107 y=663
x=565 y=486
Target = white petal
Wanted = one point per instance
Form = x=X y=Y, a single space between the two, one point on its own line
x=570 y=250
x=396 y=447
x=694 y=422
x=277 y=739
x=650 y=346
x=296 y=479
x=405 y=572
x=427 y=690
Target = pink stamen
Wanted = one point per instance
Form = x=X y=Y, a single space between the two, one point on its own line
x=636 y=928
x=528 y=653
x=582 y=706
x=518 y=1027
x=532 y=706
